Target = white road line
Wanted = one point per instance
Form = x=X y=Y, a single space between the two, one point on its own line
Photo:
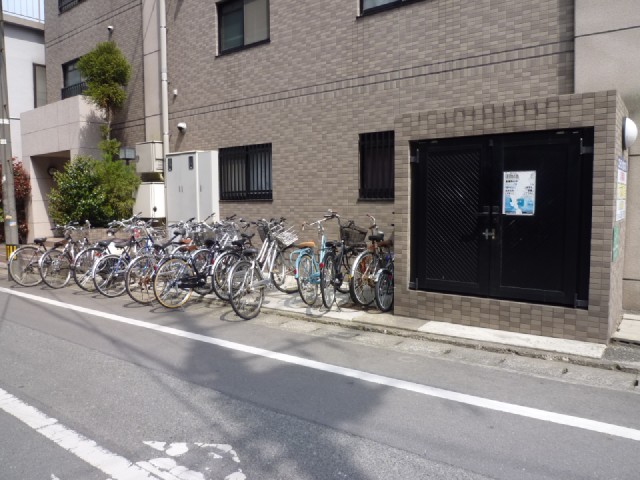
x=534 y=413
x=117 y=467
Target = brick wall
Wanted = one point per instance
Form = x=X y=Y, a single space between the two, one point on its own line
x=603 y=111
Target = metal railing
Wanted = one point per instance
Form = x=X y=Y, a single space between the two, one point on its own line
x=29 y=9
x=73 y=90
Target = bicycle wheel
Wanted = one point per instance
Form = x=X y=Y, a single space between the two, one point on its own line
x=282 y=274
x=138 y=279
x=55 y=268
x=362 y=284
x=220 y=274
x=168 y=286
x=246 y=298
x=23 y=266
x=327 y=282
x=202 y=260
x=307 y=281
x=108 y=275
x=384 y=290
x=83 y=267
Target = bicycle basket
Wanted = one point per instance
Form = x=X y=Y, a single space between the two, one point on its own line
x=286 y=238
x=352 y=235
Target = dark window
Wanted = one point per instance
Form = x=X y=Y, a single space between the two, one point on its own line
x=372 y=6
x=242 y=23
x=64 y=5
x=377 y=165
x=73 y=81
x=245 y=172
x=39 y=85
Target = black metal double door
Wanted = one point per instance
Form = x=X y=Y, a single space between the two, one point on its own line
x=472 y=234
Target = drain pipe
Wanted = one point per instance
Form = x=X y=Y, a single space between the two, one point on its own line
x=164 y=87
x=164 y=95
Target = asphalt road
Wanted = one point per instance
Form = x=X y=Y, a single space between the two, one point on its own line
x=102 y=388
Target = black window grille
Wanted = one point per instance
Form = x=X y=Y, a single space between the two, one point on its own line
x=64 y=5
x=373 y=6
x=377 y=166
x=245 y=172
x=74 y=84
x=242 y=23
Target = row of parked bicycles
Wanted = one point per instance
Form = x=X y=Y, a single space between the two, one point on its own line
x=216 y=257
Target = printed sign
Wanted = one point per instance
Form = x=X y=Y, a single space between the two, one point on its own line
x=519 y=193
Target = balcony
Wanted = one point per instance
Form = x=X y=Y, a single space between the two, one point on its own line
x=73 y=90
x=28 y=9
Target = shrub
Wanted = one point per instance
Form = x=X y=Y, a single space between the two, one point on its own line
x=94 y=190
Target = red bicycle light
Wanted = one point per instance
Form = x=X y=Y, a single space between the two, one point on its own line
x=321 y=265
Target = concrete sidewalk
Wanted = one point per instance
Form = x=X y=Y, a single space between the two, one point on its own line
x=622 y=354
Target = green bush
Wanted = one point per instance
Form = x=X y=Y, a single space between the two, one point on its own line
x=94 y=190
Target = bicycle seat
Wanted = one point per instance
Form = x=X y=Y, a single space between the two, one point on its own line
x=377 y=238
x=333 y=243
x=60 y=243
x=309 y=244
x=40 y=240
x=119 y=242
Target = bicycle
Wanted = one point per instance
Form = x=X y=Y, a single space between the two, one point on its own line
x=138 y=277
x=366 y=267
x=241 y=249
x=23 y=263
x=307 y=263
x=56 y=264
x=248 y=279
x=385 y=287
x=181 y=274
x=335 y=268
x=109 y=270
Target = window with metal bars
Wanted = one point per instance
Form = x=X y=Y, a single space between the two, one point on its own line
x=374 y=6
x=377 y=166
x=64 y=5
x=245 y=172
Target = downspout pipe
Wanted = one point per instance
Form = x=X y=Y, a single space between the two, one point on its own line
x=164 y=96
x=164 y=80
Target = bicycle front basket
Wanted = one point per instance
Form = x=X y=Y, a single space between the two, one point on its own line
x=286 y=238
x=352 y=235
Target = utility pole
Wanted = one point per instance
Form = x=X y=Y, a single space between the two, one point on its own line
x=8 y=192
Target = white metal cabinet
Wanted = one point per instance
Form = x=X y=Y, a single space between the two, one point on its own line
x=192 y=189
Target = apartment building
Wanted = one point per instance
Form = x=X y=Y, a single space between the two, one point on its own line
x=487 y=135
x=26 y=78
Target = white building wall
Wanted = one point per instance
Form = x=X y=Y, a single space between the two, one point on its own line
x=24 y=44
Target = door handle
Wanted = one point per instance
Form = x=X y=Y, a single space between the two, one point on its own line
x=489 y=234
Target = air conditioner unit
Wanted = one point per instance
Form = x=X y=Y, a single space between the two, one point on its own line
x=149 y=157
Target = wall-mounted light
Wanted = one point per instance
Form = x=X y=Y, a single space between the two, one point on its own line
x=629 y=133
x=182 y=127
x=110 y=29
